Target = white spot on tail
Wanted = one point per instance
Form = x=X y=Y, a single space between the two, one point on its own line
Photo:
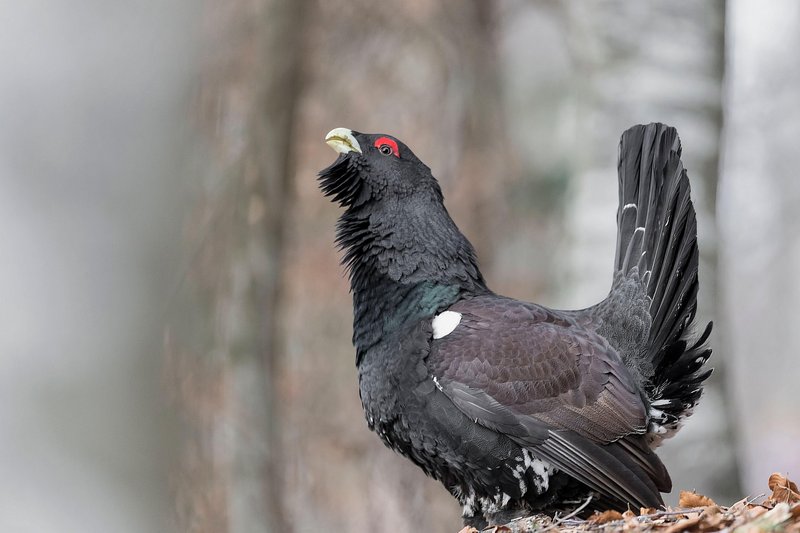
x=505 y=499
x=444 y=323
x=540 y=469
x=628 y=206
x=663 y=426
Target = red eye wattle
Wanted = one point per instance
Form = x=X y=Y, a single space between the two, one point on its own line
x=387 y=146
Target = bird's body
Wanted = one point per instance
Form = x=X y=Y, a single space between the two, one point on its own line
x=513 y=406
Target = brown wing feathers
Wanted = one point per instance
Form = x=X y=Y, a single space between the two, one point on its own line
x=555 y=388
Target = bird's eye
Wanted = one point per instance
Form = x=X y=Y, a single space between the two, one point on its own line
x=387 y=146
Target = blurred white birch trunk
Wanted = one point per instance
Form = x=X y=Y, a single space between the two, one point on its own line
x=760 y=256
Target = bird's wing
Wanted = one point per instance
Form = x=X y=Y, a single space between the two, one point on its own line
x=554 y=387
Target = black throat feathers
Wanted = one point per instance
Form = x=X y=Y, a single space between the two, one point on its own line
x=406 y=261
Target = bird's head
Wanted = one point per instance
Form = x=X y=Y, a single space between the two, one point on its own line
x=372 y=167
x=405 y=256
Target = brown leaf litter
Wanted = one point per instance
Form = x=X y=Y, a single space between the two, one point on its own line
x=695 y=513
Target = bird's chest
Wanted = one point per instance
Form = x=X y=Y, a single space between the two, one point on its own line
x=387 y=376
x=390 y=376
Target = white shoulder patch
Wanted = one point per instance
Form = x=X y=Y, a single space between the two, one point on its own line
x=444 y=323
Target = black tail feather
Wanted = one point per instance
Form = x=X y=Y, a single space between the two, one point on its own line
x=657 y=242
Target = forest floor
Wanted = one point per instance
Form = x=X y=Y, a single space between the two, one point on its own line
x=780 y=511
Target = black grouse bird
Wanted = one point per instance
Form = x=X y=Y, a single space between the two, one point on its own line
x=515 y=407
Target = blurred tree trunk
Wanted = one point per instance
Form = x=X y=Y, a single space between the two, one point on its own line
x=631 y=69
x=231 y=475
x=759 y=197
x=483 y=165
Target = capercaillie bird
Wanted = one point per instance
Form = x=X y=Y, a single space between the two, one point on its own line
x=515 y=407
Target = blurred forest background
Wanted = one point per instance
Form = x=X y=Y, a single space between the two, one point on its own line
x=174 y=325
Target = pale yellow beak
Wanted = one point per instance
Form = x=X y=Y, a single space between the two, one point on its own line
x=342 y=140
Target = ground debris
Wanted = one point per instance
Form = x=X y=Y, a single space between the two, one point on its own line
x=695 y=514
x=692 y=499
x=605 y=517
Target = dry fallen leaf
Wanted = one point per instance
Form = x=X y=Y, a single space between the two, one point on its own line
x=755 y=512
x=692 y=499
x=772 y=520
x=783 y=489
x=712 y=510
x=684 y=525
x=646 y=510
x=468 y=529
x=605 y=517
x=715 y=520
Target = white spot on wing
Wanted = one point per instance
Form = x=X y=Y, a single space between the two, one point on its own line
x=444 y=323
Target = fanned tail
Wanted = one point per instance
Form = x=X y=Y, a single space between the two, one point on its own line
x=657 y=243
